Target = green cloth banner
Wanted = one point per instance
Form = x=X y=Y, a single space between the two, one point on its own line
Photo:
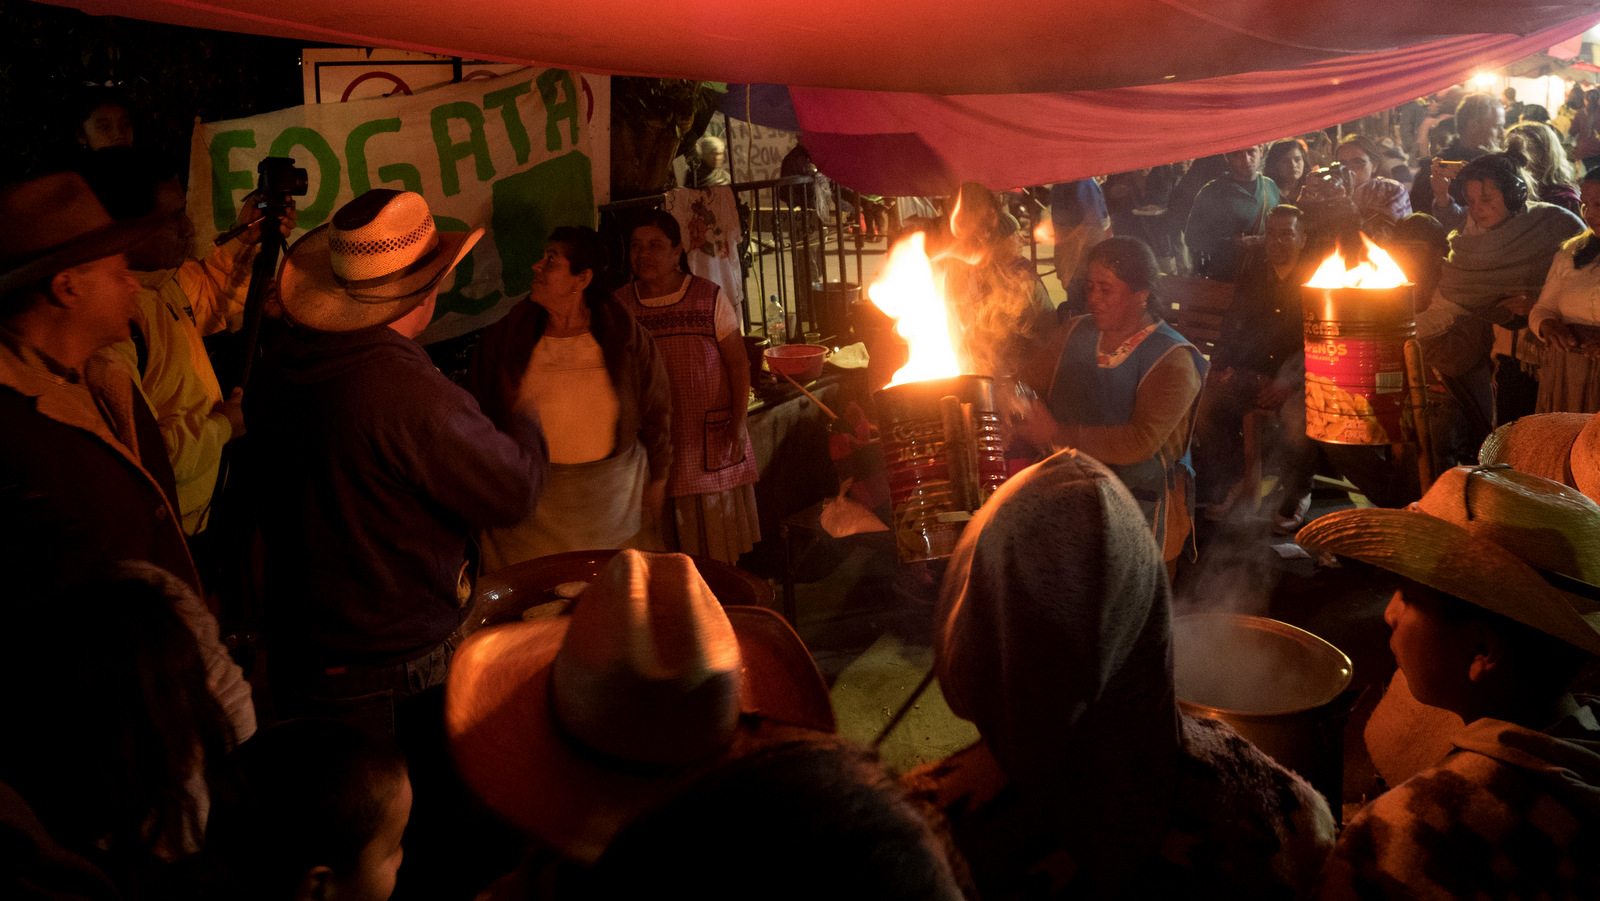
x=518 y=155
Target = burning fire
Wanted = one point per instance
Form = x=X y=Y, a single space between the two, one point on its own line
x=905 y=291
x=1378 y=270
x=1045 y=231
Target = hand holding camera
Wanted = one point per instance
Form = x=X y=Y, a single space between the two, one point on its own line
x=252 y=211
x=279 y=182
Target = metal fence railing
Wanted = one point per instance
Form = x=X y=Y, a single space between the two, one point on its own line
x=802 y=250
x=794 y=241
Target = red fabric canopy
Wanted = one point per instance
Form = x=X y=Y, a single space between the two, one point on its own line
x=933 y=46
x=1153 y=81
x=909 y=144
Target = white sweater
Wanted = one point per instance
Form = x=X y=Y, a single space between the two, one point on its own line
x=1569 y=295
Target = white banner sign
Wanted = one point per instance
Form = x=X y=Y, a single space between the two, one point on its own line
x=517 y=155
x=756 y=152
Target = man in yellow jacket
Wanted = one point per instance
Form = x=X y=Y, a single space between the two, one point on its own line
x=181 y=300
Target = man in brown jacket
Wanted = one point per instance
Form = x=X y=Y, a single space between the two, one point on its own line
x=84 y=477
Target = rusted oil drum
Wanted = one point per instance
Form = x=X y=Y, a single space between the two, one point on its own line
x=924 y=468
x=1355 y=364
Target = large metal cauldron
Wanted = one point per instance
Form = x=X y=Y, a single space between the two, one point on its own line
x=1278 y=685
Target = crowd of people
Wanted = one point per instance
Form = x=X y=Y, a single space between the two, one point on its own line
x=1491 y=225
x=643 y=738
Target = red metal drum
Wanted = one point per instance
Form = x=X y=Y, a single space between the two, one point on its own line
x=1355 y=364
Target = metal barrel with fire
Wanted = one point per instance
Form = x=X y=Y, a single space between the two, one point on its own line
x=943 y=447
x=1365 y=382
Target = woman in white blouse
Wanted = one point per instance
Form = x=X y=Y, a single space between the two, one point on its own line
x=1567 y=317
x=592 y=375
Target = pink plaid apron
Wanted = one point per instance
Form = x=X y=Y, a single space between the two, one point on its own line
x=706 y=456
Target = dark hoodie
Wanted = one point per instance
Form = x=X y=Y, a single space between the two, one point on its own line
x=1054 y=637
x=375 y=468
x=1511 y=813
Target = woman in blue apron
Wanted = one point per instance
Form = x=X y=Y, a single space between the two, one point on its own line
x=1124 y=388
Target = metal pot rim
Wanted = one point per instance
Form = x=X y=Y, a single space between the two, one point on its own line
x=1315 y=644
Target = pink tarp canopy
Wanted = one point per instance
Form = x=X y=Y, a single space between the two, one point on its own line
x=906 y=144
x=1165 y=78
x=931 y=46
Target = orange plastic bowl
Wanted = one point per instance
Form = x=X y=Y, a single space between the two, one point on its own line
x=801 y=362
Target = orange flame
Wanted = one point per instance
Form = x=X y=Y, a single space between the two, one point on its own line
x=1378 y=270
x=1045 y=231
x=905 y=291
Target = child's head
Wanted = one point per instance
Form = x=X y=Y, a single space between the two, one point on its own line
x=1498 y=565
x=312 y=809
x=1458 y=656
x=101 y=117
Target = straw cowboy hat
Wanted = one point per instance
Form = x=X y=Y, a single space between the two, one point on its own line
x=1543 y=445
x=375 y=262
x=571 y=726
x=54 y=223
x=1585 y=459
x=1512 y=543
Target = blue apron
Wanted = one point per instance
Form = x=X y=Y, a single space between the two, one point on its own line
x=1082 y=393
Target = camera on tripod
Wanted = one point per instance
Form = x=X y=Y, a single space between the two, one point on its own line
x=277 y=180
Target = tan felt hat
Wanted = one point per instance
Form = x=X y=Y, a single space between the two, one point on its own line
x=1585 y=459
x=53 y=223
x=571 y=726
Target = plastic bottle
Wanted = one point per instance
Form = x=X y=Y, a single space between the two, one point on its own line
x=777 y=322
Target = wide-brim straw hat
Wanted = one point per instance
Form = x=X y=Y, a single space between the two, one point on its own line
x=53 y=223
x=1512 y=543
x=376 y=261
x=1540 y=444
x=571 y=726
x=1585 y=459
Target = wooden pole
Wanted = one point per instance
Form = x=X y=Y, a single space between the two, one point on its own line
x=1417 y=379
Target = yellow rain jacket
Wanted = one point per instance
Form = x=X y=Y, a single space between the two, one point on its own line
x=177 y=309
